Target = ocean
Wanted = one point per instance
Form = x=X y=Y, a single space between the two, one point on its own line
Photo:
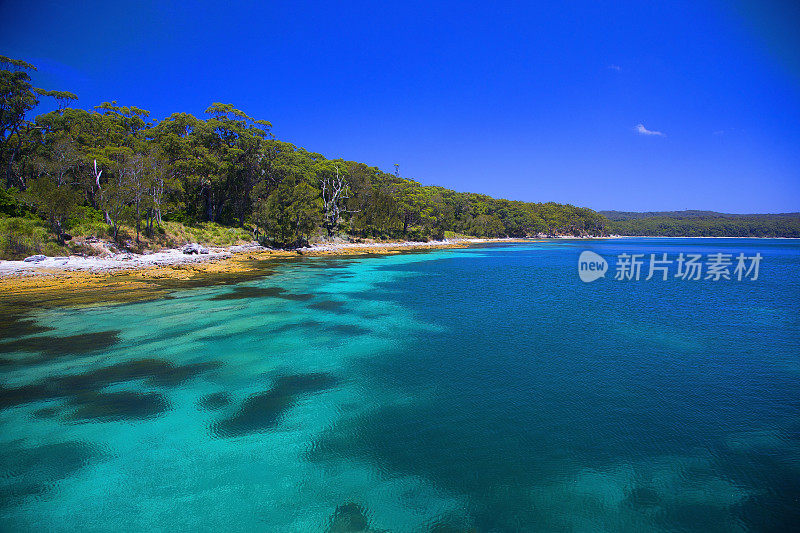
x=477 y=389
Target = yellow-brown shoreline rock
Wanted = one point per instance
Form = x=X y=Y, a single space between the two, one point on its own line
x=49 y=288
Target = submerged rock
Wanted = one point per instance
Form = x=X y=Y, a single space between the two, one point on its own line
x=35 y=258
x=240 y=293
x=261 y=412
x=36 y=470
x=214 y=401
x=53 y=345
x=15 y=323
x=328 y=305
x=82 y=389
x=122 y=405
x=643 y=497
x=349 y=518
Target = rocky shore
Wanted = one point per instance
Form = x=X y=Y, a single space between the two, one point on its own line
x=126 y=277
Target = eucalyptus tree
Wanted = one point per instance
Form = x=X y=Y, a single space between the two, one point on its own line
x=62 y=98
x=487 y=226
x=188 y=162
x=119 y=135
x=411 y=200
x=291 y=213
x=50 y=186
x=56 y=204
x=371 y=204
x=159 y=179
x=236 y=138
x=17 y=98
x=335 y=191
x=227 y=168
x=118 y=187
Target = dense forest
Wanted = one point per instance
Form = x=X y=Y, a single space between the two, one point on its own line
x=117 y=172
x=703 y=224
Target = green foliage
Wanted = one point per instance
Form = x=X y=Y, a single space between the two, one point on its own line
x=55 y=204
x=453 y=235
x=487 y=226
x=114 y=171
x=87 y=221
x=15 y=64
x=290 y=214
x=62 y=97
x=705 y=224
x=16 y=99
x=23 y=237
x=10 y=205
x=210 y=233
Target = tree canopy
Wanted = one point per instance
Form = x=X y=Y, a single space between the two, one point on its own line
x=228 y=168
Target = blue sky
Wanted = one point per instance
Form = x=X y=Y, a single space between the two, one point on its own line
x=528 y=101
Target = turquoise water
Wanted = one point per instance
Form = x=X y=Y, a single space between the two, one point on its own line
x=483 y=389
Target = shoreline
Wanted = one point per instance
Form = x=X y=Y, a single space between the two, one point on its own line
x=175 y=257
x=127 y=277
x=115 y=264
x=77 y=281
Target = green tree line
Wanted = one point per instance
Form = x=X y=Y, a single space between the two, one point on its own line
x=719 y=225
x=117 y=164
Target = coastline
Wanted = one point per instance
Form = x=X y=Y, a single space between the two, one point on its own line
x=109 y=263
x=135 y=277
x=129 y=277
x=694 y=237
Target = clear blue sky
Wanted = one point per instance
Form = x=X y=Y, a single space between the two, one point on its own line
x=528 y=101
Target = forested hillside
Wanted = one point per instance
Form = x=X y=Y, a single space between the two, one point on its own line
x=117 y=173
x=703 y=224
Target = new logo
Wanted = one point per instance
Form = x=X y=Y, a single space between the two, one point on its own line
x=591 y=266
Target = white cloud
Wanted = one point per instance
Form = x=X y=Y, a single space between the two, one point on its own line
x=644 y=131
x=615 y=67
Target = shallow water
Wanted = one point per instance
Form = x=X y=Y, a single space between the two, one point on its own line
x=485 y=388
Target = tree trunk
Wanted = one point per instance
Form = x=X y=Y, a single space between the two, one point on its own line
x=138 y=222
x=59 y=231
x=209 y=206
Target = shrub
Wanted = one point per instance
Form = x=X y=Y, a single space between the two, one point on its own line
x=21 y=237
x=10 y=205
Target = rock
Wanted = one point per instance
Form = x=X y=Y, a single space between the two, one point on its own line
x=194 y=248
x=349 y=518
x=35 y=258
